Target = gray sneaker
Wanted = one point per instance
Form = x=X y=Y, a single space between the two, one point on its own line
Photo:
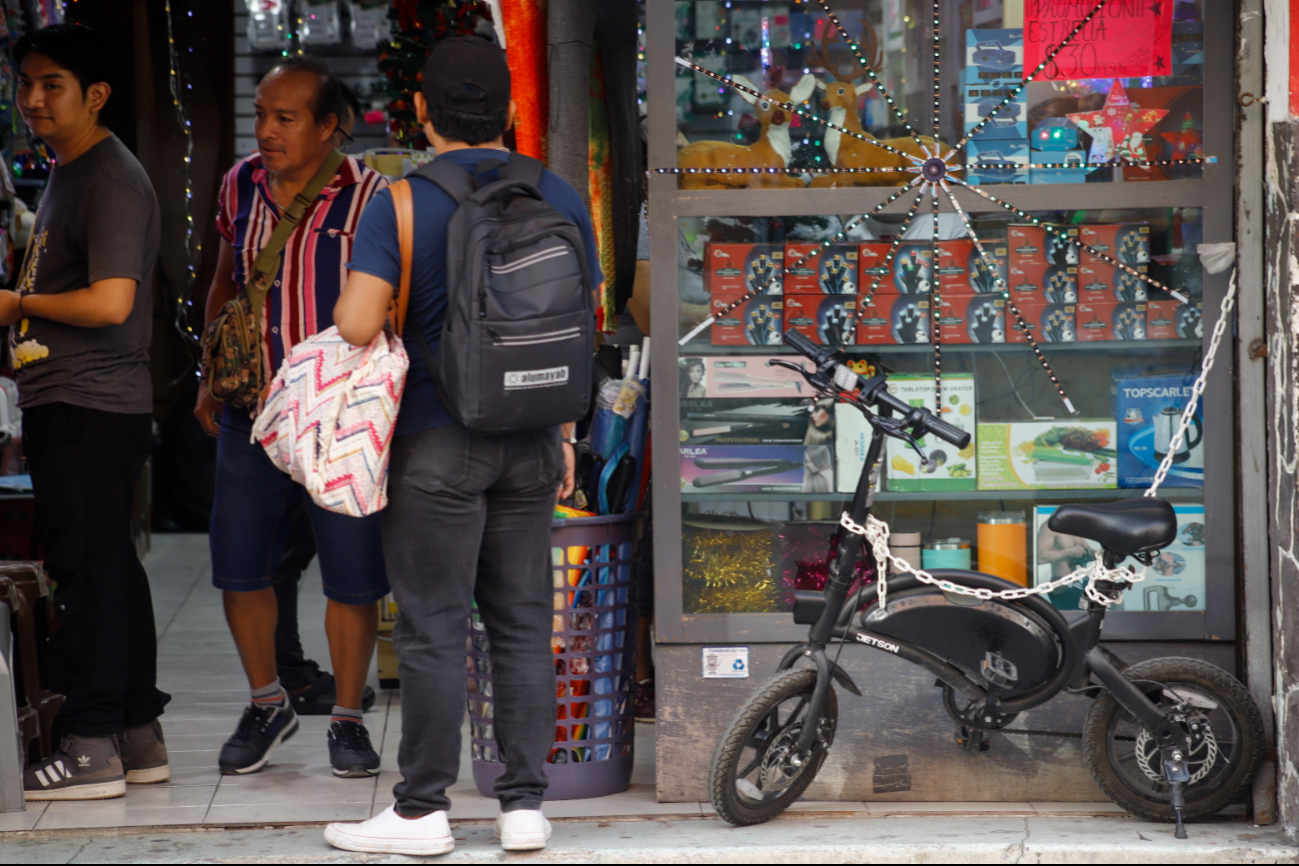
x=82 y=768
x=144 y=754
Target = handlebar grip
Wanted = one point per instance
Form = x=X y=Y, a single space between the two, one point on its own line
x=805 y=346
x=947 y=432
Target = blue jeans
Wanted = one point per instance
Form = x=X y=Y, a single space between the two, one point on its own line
x=253 y=512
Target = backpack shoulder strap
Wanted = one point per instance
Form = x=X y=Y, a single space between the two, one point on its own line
x=524 y=168
x=404 y=207
x=453 y=179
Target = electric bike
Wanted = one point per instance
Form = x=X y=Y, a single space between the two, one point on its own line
x=1167 y=739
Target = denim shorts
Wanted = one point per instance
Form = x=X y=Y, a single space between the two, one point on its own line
x=251 y=515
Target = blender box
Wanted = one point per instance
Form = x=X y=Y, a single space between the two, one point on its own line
x=994 y=57
x=757 y=421
x=895 y=320
x=1173 y=320
x=986 y=158
x=757 y=468
x=1048 y=323
x=737 y=269
x=1129 y=321
x=832 y=271
x=1034 y=245
x=1011 y=122
x=758 y=321
x=1174 y=582
x=741 y=376
x=1076 y=453
x=852 y=436
x=1094 y=320
x=1099 y=279
x=1128 y=243
x=1149 y=411
x=827 y=320
x=948 y=468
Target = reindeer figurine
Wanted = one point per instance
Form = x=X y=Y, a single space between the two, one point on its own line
x=773 y=148
x=841 y=100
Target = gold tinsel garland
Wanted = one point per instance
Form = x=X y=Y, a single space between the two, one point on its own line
x=729 y=572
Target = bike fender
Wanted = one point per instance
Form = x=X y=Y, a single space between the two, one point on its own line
x=836 y=670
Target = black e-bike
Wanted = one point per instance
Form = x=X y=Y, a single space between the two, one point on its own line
x=1167 y=739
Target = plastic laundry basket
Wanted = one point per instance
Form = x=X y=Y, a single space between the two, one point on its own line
x=594 y=646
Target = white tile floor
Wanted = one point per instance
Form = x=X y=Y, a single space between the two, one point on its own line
x=198 y=666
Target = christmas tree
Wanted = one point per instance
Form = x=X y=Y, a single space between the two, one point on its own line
x=417 y=26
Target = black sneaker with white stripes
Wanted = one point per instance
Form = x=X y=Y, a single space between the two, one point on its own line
x=82 y=768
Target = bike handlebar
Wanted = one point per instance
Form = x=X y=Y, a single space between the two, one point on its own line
x=826 y=362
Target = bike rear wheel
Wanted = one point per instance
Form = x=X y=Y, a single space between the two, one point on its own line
x=1124 y=759
x=753 y=776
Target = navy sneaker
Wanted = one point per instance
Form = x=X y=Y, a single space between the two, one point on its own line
x=262 y=728
x=319 y=698
x=350 y=752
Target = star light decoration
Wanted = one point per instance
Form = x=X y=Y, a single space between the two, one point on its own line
x=933 y=176
x=1127 y=125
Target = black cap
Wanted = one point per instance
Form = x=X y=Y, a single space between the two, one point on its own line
x=467 y=74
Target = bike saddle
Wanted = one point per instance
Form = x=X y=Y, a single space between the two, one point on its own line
x=1127 y=527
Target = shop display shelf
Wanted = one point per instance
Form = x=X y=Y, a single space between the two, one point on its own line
x=1112 y=346
x=1176 y=494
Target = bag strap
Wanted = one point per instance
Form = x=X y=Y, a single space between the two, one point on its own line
x=453 y=179
x=403 y=207
x=268 y=260
x=524 y=168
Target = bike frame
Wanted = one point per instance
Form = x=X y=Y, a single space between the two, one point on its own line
x=1081 y=655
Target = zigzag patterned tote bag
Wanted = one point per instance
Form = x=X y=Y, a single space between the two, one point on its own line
x=329 y=417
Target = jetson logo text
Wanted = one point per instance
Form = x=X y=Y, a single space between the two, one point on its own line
x=879 y=644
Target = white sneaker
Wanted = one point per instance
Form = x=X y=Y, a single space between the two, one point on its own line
x=390 y=833
x=523 y=830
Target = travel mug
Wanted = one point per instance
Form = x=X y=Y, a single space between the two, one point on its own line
x=947 y=553
x=1003 y=545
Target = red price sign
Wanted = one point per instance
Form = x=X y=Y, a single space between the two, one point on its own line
x=1124 y=39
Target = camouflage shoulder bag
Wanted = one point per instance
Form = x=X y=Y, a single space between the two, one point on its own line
x=232 y=342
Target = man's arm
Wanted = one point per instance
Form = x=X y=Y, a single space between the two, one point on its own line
x=362 y=307
x=103 y=303
x=223 y=289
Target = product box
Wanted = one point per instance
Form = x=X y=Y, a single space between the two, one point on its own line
x=994 y=57
x=954 y=258
x=852 y=436
x=756 y=322
x=1175 y=581
x=951 y=319
x=982 y=154
x=1094 y=319
x=741 y=376
x=982 y=275
x=1173 y=320
x=986 y=319
x=947 y=468
x=1048 y=455
x=1098 y=280
x=1011 y=122
x=1048 y=323
x=729 y=421
x=833 y=271
x=895 y=320
x=737 y=269
x=1075 y=170
x=757 y=468
x=1052 y=284
x=1034 y=245
x=910 y=273
x=1128 y=243
x=828 y=321
x=873 y=264
x=1129 y=321
x=1149 y=411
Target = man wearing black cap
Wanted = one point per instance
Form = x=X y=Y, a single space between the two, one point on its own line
x=468 y=515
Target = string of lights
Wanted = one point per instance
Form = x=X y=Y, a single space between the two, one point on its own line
x=193 y=244
x=1115 y=163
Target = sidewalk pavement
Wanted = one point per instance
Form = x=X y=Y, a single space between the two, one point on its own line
x=799 y=838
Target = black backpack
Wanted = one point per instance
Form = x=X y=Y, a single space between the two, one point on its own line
x=519 y=337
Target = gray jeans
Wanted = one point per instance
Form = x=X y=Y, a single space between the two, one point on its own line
x=468 y=518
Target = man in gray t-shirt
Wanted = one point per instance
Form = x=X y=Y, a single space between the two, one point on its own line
x=79 y=338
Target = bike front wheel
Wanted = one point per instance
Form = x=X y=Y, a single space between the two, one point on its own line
x=755 y=773
x=1214 y=707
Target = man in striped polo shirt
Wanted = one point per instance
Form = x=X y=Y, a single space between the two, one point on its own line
x=299 y=106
